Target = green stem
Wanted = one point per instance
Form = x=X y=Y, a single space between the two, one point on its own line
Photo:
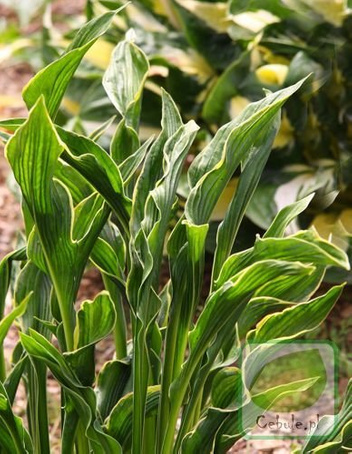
x=37 y=406
x=140 y=385
x=120 y=328
x=2 y=365
x=170 y=353
x=82 y=444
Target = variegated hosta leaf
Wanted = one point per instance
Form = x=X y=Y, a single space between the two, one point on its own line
x=99 y=169
x=53 y=80
x=94 y=164
x=285 y=216
x=124 y=82
x=113 y=382
x=95 y=320
x=35 y=285
x=214 y=166
x=154 y=200
x=13 y=435
x=248 y=181
x=124 y=88
x=228 y=402
x=83 y=398
x=119 y=422
x=66 y=235
x=222 y=308
x=296 y=320
x=153 y=167
x=305 y=246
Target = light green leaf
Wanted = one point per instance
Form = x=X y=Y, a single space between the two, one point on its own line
x=124 y=80
x=287 y=215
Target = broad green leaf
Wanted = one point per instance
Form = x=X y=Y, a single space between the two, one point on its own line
x=296 y=320
x=212 y=169
x=306 y=247
x=256 y=309
x=53 y=80
x=88 y=331
x=83 y=398
x=50 y=205
x=124 y=80
x=239 y=288
x=119 y=423
x=252 y=169
x=99 y=169
x=111 y=384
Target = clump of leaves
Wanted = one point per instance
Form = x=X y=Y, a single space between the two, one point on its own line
x=216 y=57
x=175 y=384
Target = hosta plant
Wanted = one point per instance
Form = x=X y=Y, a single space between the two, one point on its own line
x=176 y=383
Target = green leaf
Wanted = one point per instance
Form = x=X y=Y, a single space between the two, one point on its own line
x=119 y=423
x=287 y=215
x=36 y=146
x=124 y=80
x=129 y=166
x=306 y=247
x=111 y=384
x=212 y=169
x=99 y=169
x=256 y=309
x=252 y=169
x=88 y=331
x=296 y=320
x=13 y=436
x=32 y=280
x=83 y=398
x=152 y=169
